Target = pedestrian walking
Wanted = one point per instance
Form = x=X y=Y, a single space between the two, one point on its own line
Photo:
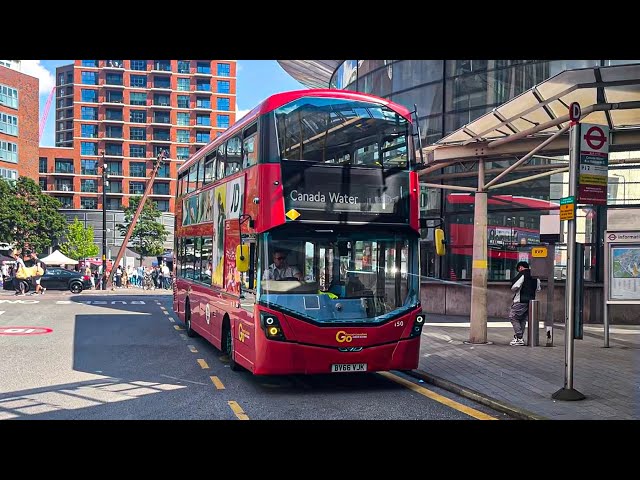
x=525 y=287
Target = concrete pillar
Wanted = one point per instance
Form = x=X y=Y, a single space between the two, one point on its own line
x=478 y=322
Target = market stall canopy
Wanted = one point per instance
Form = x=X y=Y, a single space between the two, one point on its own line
x=59 y=258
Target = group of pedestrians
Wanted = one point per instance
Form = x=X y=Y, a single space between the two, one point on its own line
x=148 y=278
x=27 y=272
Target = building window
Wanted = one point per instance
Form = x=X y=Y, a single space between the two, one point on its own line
x=161 y=99
x=90 y=96
x=162 y=134
x=88 y=148
x=183 y=66
x=43 y=184
x=183 y=85
x=8 y=96
x=89 y=131
x=138 y=151
x=138 y=65
x=88 y=185
x=113 y=150
x=114 y=204
x=203 y=102
x=202 y=137
x=224 y=70
x=182 y=136
x=114 y=97
x=203 y=85
x=136 y=188
x=113 y=131
x=203 y=120
x=89 y=113
x=138 y=116
x=138 y=81
x=183 y=101
x=64 y=166
x=138 y=169
x=114 y=168
x=90 y=63
x=66 y=202
x=162 y=65
x=137 y=133
x=203 y=67
x=223 y=103
x=89 y=167
x=162 y=205
x=224 y=86
x=223 y=121
x=182 y=153
x=161 y=82
x=87 y=203
x=161 y=189
x=161 y=117
x=8 y=174
x=138 y=98
x=113 y=114
x=9 y=152
x=182 y=119
x=164 y=171
x=42 y=165
x=89 y=78
x=8 y=124
x=115 y=186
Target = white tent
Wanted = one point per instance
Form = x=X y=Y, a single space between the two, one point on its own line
x=59 y=258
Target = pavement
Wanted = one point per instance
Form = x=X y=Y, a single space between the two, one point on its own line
x=521 y=380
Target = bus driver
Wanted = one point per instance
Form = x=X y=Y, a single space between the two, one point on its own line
x=280 y=269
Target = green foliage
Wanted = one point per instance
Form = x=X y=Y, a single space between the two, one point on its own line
x=79 y=242
x=148 y=235
x=28 y=216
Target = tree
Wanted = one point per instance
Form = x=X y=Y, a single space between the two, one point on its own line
x=148 y=235
x=29 y=217
x=79 y=244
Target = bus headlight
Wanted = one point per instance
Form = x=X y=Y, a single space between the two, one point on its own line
x=418 y=322
x=271 y=326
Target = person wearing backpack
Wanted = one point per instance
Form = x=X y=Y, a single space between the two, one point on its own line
x=525 y=287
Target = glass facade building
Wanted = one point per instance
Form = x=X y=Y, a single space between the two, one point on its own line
x=448 y=94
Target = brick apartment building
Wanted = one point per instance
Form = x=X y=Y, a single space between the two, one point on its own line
x=19 y=135
x=123 y=113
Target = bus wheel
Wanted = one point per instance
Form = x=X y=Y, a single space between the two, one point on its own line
x=187 y=319
x=228 y=345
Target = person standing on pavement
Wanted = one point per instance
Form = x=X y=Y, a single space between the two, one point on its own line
x=525 y=287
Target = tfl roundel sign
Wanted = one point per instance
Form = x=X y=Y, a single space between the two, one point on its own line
x=595 y=138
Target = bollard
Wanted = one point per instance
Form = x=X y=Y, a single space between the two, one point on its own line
x=533 y=325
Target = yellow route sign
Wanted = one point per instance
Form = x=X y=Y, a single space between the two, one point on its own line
x=568 y=211
x=539 y=252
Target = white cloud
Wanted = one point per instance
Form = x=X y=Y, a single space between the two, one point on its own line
x=35 y=69
x=241 y=113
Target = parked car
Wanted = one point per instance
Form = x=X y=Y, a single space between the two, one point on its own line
x=56 y=278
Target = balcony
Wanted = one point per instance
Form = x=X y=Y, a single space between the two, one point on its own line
x=62 y=170
x=113 y=64
x=60 y=188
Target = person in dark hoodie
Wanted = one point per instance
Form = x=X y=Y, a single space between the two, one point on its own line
x=525 y=287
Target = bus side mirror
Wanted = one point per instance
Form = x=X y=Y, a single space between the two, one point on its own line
x=440 y=242
x=242 y=258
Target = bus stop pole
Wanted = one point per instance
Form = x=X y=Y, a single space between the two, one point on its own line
x=568 y=392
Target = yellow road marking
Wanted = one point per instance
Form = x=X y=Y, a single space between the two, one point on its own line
x=237 y=409
x=472 y=412
x=216 y=381
x=202 y=363
x=192 y=348
x=178 y=327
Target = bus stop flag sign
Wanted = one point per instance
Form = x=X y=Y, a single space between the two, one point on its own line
x=594 y=164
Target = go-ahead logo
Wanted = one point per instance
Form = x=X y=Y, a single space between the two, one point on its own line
x=343 y=336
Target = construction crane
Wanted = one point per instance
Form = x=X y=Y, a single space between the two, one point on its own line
x=157 y=162
x=45 y=112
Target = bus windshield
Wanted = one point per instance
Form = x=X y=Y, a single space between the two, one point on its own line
x=330 y=277
x=343 y=132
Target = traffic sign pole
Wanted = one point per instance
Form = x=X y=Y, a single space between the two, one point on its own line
x=568 y=392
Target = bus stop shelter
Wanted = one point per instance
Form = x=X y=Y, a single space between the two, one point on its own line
x=535 y=123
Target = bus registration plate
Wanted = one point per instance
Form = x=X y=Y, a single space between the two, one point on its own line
x=348 y=367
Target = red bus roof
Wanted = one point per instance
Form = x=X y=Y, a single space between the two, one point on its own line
x=279 y=99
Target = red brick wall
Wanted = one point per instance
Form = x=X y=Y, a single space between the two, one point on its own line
x=28 y=121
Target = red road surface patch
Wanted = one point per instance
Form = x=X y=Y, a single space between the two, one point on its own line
x=25 y=330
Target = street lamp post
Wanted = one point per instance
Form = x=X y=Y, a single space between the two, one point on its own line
x=104 y=219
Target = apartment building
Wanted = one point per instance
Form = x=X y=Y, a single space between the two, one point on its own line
x=124 y=113
x=18 y=122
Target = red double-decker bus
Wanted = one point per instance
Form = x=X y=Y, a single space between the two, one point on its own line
x=297 y=237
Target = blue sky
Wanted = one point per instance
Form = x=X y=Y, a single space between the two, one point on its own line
x=257 y=79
